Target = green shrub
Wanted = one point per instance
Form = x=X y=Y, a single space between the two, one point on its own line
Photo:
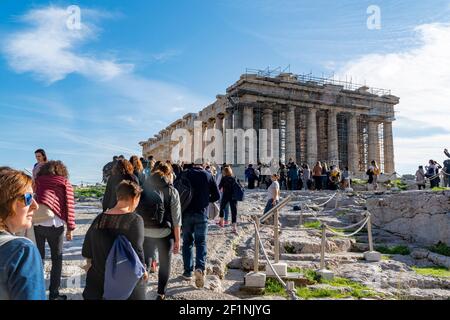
x=309 y=274
x=335 y=291
x=353 y=289
x=438 y=272
x=397 y=184
x=440 y=189
x=441 y=248
x=289 y=248
x=274 y=287
x=403 y=250
x=313 y=224
x=359 y=182
x=308 y=293
x=95 y=192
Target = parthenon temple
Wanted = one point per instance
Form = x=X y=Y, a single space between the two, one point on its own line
x=319 y=119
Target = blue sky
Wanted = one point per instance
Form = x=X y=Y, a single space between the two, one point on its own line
x=137 y=65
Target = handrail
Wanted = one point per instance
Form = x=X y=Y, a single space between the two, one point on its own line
x=271 y=212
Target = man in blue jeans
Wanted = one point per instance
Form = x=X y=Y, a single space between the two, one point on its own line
x=195 y=222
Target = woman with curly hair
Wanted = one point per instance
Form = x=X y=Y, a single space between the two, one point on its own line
x=55 y=196
x=22 y=276
x=123 y=170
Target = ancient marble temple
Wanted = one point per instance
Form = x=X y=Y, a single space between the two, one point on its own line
x=319 y=119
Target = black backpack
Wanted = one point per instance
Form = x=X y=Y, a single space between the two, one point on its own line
x=184 y=188
x=238 y=191
x=151 y=208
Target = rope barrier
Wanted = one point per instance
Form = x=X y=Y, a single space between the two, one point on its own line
x=331 y=198
x=291 y=293
x=353 y=225
x=347 y=235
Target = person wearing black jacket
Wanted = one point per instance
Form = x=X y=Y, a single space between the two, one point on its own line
x=195 y=222
x=226 y=185
x=123 y=170
x=166 y=237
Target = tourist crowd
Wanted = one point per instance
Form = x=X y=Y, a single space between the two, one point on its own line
x=150 y=211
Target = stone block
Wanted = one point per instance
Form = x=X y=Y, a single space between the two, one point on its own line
x=372 y=256
x=325 y=274
x=255 y=280
x=280 y=268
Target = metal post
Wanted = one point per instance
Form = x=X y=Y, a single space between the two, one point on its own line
x=276 y=235
x=256 y=261
x=322 y=247
x=369 y=231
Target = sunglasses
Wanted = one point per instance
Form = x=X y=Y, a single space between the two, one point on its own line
x=28 y=198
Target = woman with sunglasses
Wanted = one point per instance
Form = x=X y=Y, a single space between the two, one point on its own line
x=21 y=272
x=56 y=208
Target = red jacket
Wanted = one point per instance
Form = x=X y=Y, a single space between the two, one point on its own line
x=56 y=192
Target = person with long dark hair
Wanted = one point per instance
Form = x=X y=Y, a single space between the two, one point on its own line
x=123 y=170
x=226 y=185
x=41 y=158
x=104 y=230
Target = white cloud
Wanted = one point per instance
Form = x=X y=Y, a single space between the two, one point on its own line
x=48 y=48
x=421 y=78
x=154 y=100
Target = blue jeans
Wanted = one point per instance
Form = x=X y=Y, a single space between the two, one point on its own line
x=269 y=205
x=227 y=208
x=195 y=231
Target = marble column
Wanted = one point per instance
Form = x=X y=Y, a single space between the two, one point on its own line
x=267 y=124
x=208 y=135
x=228 y=126
x=291 y=150
x=250 y=148
x=333 y=151
x=220 y=126
x=311 y=137
x=388 y=141
x=374 y=143
x=352 y=139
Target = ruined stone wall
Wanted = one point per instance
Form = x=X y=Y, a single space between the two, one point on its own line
x=422 y=217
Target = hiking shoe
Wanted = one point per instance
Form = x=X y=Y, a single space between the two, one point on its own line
x=226 y=223
x=199 y=278
x=187 y=276
x=160 y=297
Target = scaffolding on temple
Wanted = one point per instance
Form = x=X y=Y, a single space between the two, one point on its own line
x=310 y=79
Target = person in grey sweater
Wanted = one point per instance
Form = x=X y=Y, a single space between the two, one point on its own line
x=167 y=237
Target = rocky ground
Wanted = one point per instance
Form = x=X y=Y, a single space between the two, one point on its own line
x=230 y=256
